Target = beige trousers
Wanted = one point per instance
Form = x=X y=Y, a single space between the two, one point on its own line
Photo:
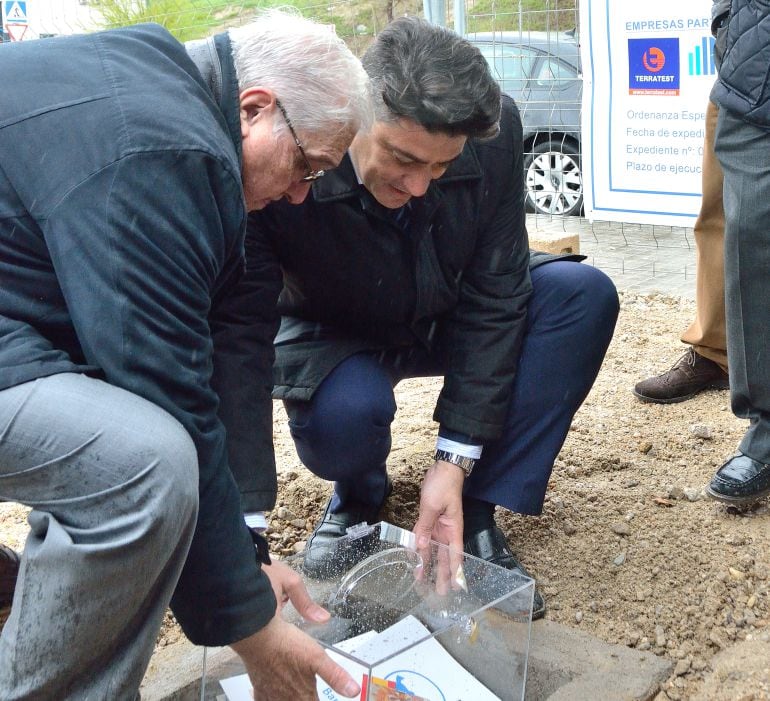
x=707 y=333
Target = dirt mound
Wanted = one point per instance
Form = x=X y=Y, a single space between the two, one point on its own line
x=627 y=548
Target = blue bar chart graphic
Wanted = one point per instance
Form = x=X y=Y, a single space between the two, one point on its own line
x=700 y=61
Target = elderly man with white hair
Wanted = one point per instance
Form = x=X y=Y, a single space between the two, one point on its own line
x=128 y=166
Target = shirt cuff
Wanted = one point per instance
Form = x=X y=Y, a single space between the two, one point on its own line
x=463 y=449
x=256 y=520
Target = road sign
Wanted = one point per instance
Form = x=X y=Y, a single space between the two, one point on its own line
x=16 y=32
x=15 y=12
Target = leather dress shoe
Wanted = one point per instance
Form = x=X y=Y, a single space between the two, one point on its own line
x=489 y=544
x=326 y=556
x=741 y=480
x=691 y=374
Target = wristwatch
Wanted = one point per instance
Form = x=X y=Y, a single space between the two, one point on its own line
x=464 y=463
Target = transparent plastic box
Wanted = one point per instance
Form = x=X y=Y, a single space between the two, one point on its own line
x=406 y=626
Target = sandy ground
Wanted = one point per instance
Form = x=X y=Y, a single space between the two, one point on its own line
x=627 y=548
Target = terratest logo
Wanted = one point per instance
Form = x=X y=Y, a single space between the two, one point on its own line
x=653 y=59
x=653 y=66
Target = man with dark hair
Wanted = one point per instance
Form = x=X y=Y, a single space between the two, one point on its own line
x=411 y=259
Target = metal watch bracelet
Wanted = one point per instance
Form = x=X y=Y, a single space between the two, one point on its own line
x=464 y=463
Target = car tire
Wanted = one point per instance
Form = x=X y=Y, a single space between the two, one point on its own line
x=553 y=177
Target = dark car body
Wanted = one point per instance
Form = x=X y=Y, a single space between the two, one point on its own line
x=541 y=71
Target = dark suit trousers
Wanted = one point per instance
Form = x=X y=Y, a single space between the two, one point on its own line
x=344 y=432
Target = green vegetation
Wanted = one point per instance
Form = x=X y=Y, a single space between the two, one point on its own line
x=356 y=20
x=521 y=15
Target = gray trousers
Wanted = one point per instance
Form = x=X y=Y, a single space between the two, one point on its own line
x=112 y=481
x=743 y=151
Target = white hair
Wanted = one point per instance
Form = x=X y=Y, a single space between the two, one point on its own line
x=313 y=73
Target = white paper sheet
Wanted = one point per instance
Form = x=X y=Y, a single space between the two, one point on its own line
x=425 y=671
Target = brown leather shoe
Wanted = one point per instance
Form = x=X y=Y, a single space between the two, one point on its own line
x=691 y=374
x=9 y=570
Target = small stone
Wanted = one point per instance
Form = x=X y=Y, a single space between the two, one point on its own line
x=578 y=616
x=752 y=600
x=569 y=528
x=554 y=605
x=644 y=644
x=593 y=607
x=621 y=528
x=298 y=522
x=660 y=636
x=682 y=667
x=619 y=560
x=645 y=447
x=736 y=574
x=719 y=639
x=299 y=546
x=692 y=493
x=701 y=431
x=676 y=493
x=631 y=483
x=284 y=514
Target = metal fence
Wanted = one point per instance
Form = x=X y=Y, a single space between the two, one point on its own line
x=532 y=48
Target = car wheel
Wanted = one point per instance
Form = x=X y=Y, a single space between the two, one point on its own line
x=554 y=180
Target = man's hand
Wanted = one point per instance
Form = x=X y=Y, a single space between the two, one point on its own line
x=441 y=518
x=281 y=660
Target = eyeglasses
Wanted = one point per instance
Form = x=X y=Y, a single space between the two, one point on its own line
x=312 y=174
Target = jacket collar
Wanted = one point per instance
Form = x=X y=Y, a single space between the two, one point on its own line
x=341 y=183
x=214 y=59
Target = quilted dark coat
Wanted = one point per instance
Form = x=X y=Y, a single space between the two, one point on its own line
x=743 y=86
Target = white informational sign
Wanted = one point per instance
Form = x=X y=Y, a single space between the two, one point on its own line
x=648 y=71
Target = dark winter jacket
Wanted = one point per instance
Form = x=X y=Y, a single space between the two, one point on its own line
x=455 y=282
x=744 y=72
x=121 y=224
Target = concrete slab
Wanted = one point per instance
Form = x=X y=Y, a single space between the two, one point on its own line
x=564 y=665
x=642 y=258
x=569 y=665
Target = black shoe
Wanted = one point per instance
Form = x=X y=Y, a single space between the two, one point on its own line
x=489 y=544
x=325 y=557
x=741 y=480
x=691 y=374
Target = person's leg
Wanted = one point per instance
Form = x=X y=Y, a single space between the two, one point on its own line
x=570 y=320
x=704 y=364
x=707 y=333
x=343 y=433
x=113 y=484
x=742 y=150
